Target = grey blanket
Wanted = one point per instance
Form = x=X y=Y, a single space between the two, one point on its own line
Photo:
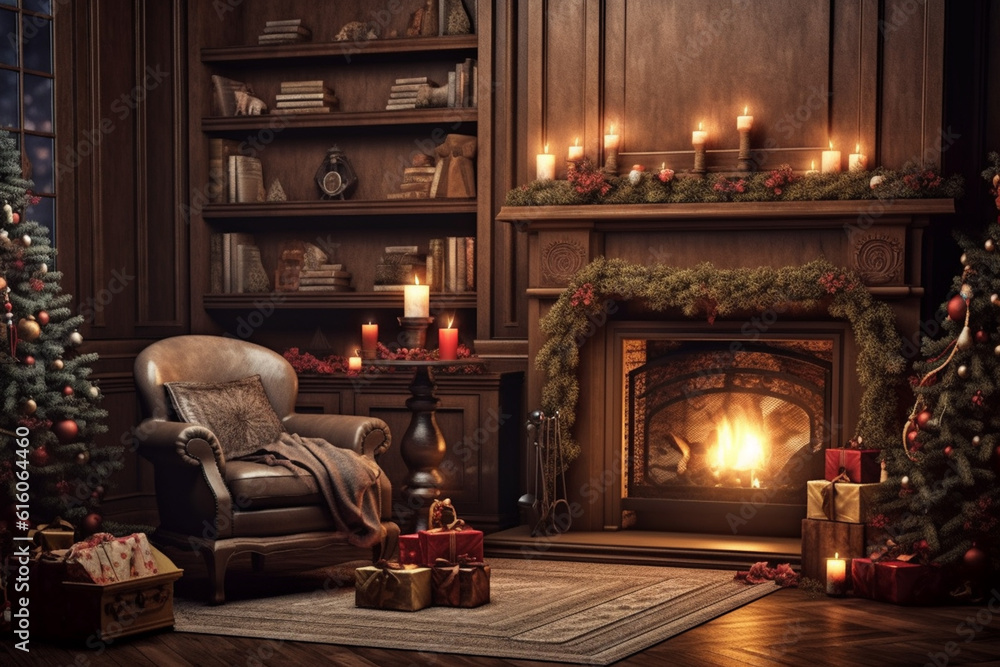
x=348 y=481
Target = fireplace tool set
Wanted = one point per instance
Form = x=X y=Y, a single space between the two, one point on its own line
x=550 y=513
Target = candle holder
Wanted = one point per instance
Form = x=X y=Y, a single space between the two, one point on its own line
x=611 y=162
x=414 y=333
x=743 y=161
x=699 y=169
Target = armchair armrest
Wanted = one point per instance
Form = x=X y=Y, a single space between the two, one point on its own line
x=365 y=435
x=165 y=441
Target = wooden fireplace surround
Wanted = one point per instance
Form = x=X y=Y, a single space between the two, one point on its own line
x=882 y=241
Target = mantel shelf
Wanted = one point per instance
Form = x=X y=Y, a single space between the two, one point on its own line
x=357 y=119
x=349 y=52
x=724 y=216
x=342 y=211
x=342 y=300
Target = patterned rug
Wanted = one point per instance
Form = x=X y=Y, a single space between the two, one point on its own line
x=583 y=613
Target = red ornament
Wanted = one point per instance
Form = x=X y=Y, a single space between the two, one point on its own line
x=16 y=217
x=975 y=561
x=42 y=317
x=67 y=390
x=982 y=336
x=957 y=308
x=923 y=418
x=29 y=360
x=949 y=450
x=66 y=430
x=39 y=457
x=92 y=523
x=911 y=436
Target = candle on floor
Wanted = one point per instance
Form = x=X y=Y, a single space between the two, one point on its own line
x=416 y=300
x=830 y=162
x=545 y=165
x=448 y=343
x=836 y=575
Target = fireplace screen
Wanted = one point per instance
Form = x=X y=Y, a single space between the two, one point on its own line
x=704 y=417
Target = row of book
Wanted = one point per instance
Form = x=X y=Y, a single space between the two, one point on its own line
x=420 y=91
x=451 y=264
x=305 y=97
x=286 y=31
x=236 y=264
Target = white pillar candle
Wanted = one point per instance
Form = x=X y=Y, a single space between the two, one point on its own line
x=744 y=122
x=830 y=161
x=575 y=151
x=545 y=165
x=416 y=300
x=857 y=161
x=611 y=140
x=699 y=136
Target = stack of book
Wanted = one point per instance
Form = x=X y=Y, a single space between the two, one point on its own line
x=287 y=31
x=451 y=264
x=304 y=97
x=399 y=266
x=325 y=278
x=403 y=94
x=417 y=182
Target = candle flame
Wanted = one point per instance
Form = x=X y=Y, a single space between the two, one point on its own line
x=576 y=142
x=836 y=554
x=745 y=110
x=812 y=165
x=546 y=149
x=663 y=165
x=612 y=130
x=831 y=144
x=450 y=320
x=416 y=280
x=857 y=148
x=699 y=126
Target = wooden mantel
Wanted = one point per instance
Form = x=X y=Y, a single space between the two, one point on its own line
x=881 y=241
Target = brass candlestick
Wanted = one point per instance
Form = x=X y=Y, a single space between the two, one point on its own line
x=611 y=162
x=699 y=161
x=743 y=161
x=414 y=333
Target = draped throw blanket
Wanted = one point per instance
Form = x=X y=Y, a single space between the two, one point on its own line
x=349 y=482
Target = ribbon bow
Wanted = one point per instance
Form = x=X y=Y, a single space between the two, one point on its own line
x=830 y=493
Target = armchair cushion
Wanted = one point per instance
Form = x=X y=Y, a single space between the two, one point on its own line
x=256 y=486
x=238 y=412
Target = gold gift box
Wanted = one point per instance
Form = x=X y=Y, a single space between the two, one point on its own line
x=851 y=503
x=399 y=587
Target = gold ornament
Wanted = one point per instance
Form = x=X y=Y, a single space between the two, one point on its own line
x=989 y=245
x=994 y=299
x=56 y=365
x=29 y=407
x=963 y=371
x=28 y=329
x=967 y=291
x=963 y=259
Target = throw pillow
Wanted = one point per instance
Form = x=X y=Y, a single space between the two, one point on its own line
x=238 y=412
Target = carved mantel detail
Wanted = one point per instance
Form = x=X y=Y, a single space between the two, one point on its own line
x=560 y=260
x=878 y=259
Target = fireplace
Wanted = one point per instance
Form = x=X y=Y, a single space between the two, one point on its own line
x=715 y=423
x=794 y=380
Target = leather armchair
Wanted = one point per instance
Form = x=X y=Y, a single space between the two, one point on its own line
x=222 y=508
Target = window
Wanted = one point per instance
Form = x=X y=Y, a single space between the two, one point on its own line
x=27 y=97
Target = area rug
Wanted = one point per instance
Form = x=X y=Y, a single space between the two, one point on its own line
x=582 y=613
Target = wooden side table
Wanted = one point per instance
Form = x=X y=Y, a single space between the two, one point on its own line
x=422 y=446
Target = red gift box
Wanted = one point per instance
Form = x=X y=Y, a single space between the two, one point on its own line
x=426 y=546
x=897 y=581
x=860 y=465
x=409 y=550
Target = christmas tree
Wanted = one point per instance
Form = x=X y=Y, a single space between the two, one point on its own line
x=50 y=465
x=941 y=503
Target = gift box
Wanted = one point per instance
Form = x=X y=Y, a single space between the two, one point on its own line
x=839 y=501
x=53 y=536
x=861 y=466
x=821 y=539
x=426 y=546
x=104 y=558
x=460 y=584
x=84 y=611
x=898 y=582
x=392 y=586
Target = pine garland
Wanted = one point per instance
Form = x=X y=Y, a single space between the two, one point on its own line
x=780 y=184
x=704 y=291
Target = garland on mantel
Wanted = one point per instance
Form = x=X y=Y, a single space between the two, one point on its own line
x=588 y=184
x=704 y=291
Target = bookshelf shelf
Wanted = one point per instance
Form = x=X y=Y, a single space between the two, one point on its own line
x=350 y=211
x=341 y=119
x=345 y=52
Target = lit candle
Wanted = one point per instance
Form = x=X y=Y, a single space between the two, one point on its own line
x=369 y=338
x=812 y=168
x=354 y=363
x=448 y=343
x=830 y=162
x=699 y=136
x=545 y=165
x=744 y=122
x=575 y=151
x=856 y=161
x=836 y=575
x=416 y=300
x=611 y=139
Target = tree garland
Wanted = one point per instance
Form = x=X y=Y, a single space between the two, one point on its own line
x=717 y=293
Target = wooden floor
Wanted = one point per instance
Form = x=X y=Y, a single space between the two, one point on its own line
x=788 y=627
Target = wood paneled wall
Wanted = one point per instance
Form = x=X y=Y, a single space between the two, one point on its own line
x=121 y=235
x=848 y=71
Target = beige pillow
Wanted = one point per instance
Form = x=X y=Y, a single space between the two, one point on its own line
x=238 y=412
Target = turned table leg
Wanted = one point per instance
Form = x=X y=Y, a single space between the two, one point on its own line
x=422 y=448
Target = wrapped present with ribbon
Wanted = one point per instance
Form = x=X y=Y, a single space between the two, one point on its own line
x=450 y=545
x=863 y=577
x=394 y=586
x=409 y=550
x=461 y=584
x=839 y=500
x=860 y=466
x=898 y=581
x=53 y=536
x=103 y=559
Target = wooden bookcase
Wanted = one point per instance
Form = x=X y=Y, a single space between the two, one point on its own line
x=377 y=142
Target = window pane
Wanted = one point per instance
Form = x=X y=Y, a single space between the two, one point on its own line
x=10 y=113
x=8 y=38
x=37 y=103
x=37 y=39
x=41 y=153
x=40 y=6
x=12 y=3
